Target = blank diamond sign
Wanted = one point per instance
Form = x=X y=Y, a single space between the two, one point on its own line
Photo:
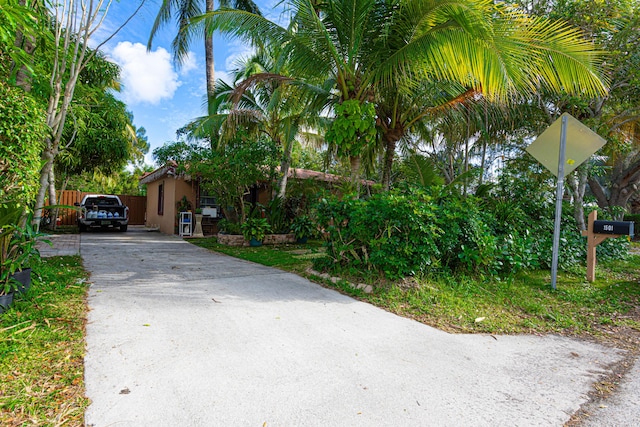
x=582 y=142
x=562 y=148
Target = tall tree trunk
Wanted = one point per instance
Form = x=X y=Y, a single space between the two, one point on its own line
x=483 y=161
x=623 y=183
x=466 y=158
x=390 y=137
x=285 y=165
x=209 y=60
x=577 y=183
x=53 y=197
x=48 y=155
x=390 y=150
x=355 y=173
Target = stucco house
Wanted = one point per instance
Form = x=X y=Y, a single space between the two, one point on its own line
x=166 y=187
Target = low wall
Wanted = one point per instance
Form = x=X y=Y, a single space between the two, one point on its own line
x=269 y=239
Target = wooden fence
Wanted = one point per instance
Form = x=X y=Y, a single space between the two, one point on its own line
x=137 y=207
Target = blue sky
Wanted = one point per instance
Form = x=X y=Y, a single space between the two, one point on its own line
x=161 y=96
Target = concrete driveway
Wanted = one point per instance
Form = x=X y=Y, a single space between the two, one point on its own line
x=180 y=336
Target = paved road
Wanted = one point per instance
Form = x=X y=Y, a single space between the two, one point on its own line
x=179 y=336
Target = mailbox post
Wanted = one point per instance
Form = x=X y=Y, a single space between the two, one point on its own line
x=597 y=232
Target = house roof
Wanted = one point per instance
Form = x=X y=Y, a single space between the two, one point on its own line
x=296 y=173
x=320 y=176
x=169 y=169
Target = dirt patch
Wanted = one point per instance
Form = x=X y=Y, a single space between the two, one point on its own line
x=623 y=337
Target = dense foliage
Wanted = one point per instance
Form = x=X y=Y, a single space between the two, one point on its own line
x=22 y=130
x=227 y=173
x=416 y=231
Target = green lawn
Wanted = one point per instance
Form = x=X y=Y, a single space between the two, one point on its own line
x=294 y=257
x=42 y=348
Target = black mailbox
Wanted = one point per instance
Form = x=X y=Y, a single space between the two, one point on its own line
x=624 y=228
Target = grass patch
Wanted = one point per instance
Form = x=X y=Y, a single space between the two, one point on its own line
x=291 y=257
x=42 y=348
x=524 y=303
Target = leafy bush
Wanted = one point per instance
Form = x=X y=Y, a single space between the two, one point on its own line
x=227 y=227
x=277 y=216
x=391 y=233
x=255 y=228
x=403 y=233
x=302 y=226
x=22 y=132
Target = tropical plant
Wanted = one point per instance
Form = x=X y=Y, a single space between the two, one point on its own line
x=255 y=228
x=263 y=102
x=276 y=214
x=227 y=227
x=73 y=24
x=380 y=51
x=182 y=11
x=18 y=244
x=10 y=214
x=302 y=226
x=183 y=205
x=22 y=130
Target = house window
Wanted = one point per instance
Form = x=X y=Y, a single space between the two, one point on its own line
x=209 y=205
x=208 y=201
x=161 y=199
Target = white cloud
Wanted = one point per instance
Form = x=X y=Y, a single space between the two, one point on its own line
x=190 y=63
x=147 y=77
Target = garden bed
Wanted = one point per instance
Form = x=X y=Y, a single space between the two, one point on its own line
x=269 y=239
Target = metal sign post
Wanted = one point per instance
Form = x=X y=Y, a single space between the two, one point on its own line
x=559 y=193
x=575 y=143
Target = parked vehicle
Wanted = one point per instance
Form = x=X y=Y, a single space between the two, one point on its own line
x=102 y=210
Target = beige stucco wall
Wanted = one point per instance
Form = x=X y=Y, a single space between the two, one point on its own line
x=174 y=189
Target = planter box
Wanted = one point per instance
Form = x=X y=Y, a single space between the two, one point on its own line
x=231 y=239
x=269 y=239
x=278 y=239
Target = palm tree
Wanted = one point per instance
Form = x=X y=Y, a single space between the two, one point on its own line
x=185 y=11
x=381 y=51
x=263 y=101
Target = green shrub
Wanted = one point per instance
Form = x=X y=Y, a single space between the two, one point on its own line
x=403 y=233
x=22 y=132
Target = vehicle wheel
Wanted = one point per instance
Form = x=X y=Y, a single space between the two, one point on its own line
x=82 y=228
x=123 y=228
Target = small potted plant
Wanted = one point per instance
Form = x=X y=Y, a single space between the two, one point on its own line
x=303 y=228
x=254 y=230
x=19 y=248
x=10 y=216
x=18 y=240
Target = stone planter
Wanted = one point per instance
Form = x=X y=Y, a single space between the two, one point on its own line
x=278 y=239
x=231 y=239
x=269 y=239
